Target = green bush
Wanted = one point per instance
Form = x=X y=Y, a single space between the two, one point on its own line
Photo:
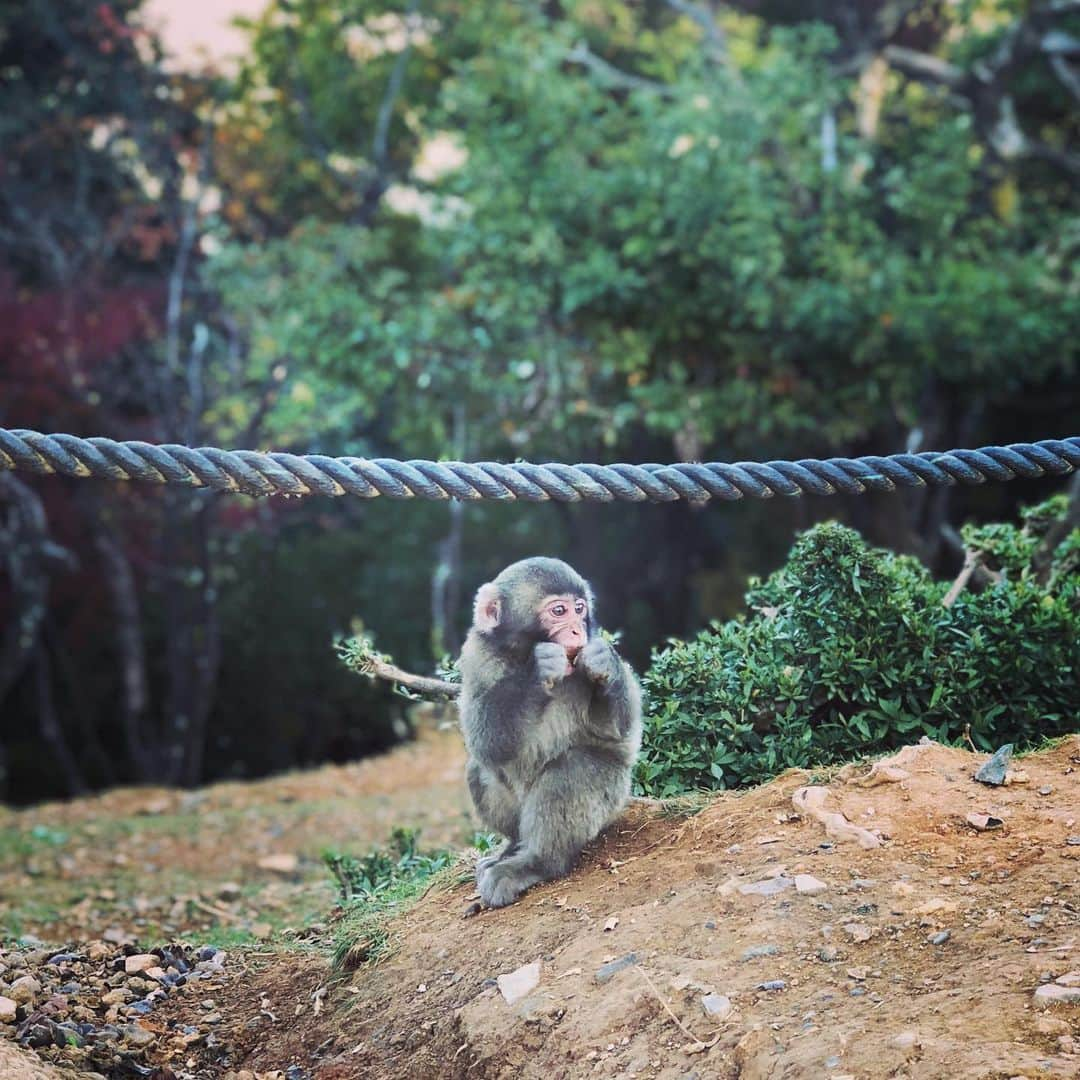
x=849 y=650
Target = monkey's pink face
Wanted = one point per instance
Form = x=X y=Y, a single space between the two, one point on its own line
x=564 y=619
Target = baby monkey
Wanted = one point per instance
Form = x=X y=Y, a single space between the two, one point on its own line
x=552 y=724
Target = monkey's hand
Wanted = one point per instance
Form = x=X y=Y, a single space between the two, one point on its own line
x=551 y=664
x=600 y=662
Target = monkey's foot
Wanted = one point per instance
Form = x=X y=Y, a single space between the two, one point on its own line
x=500 y=885
x=485 y=862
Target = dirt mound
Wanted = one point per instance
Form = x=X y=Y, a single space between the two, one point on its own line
x=743 y=941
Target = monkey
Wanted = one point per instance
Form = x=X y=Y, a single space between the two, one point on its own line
x=552 y=722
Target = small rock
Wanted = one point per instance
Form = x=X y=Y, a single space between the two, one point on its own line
x=858 y=931
x=939 y=938
x=906 y=1040
x=756 y=951
x=606 y=972
x=120 y=996
x=1070 y=978
x=809 y=885
x=212 y=1018
x=7 y=1010
x=1046 y=790
x=832 y=1062
x=983 y=822
x=830 y=954
x=1072 y=841
x=772 y=984
x=283 y=863
x=768 y=887
x=994 y=770
x=1051 y=1025
x=717 y=1005
x=229 y=891
x=24 y=990
x=133 y=965
x=516 y=984
x=135 y=1035
x=1055 y=994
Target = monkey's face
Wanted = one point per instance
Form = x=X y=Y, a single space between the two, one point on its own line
x=564 y=619
x=535 y=600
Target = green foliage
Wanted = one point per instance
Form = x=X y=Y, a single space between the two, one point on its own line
x=382 y=870
x=378 y=886
x=849 y=650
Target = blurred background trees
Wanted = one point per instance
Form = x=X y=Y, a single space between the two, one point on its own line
x=598 y=230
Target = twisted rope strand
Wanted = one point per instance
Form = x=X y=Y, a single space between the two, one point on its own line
x=254 y=473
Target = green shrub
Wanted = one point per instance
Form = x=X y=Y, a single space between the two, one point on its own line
x=849 y=650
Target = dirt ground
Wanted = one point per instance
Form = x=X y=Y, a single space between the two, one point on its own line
x=747 y=940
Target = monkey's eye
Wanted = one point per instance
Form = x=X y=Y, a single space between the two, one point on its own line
x=579 y=607
x=558 y=610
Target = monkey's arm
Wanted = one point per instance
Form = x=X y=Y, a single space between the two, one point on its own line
x=616 y=702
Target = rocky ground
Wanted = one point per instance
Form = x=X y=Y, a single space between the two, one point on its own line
x=907 y=921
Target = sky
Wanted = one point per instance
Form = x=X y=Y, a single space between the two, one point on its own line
x=192 y=28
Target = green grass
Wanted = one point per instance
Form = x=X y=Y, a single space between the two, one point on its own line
x=380 y=886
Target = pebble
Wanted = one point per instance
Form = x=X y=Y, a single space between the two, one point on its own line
x=282 y=863
x=939 y=938
x=1072 y=841
x=1070 y=978
x=7 y=1010
x=809 y=885
x=1051 y=1025
x=515 y=985
x=756 y=951
x=830 y=954
x=24 y=990
x=858 y=931
x=772 y=984
x=717 y=1005
x=134 y=1035
x=768 y=887
x=139 y=962
x=906 y=1040
x=606 y=972
x=994 y=770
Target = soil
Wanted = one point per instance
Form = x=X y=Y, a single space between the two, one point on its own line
x=918 y=957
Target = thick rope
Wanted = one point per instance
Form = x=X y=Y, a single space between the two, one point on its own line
x=254 y=473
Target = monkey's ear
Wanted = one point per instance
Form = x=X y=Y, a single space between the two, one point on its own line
x=487 y=608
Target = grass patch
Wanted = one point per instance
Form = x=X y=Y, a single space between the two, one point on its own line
x=378 y=886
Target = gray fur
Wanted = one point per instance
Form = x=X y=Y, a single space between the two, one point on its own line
x=550 y=752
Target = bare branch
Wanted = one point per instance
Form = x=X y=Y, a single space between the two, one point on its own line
x=581 y=54
x=1066 y=76
x=925 y=67
x=379 y=668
